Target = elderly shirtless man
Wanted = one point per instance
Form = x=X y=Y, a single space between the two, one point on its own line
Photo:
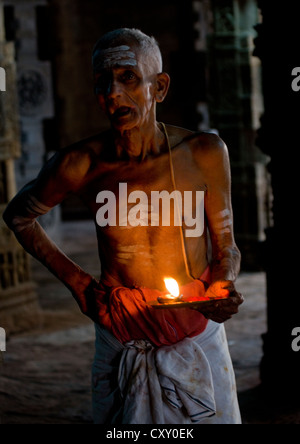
x=151 y=365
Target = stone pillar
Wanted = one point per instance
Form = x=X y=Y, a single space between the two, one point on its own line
x=279 y=139
x=203 y=30
x=35 y=93
x=235 y=108
x=19 y=309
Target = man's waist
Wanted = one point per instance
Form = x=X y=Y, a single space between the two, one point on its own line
x=153 y=277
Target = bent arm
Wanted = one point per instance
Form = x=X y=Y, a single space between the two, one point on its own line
x=34 y=200
x=226 y=257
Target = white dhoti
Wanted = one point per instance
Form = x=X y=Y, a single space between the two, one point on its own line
x=186 y=383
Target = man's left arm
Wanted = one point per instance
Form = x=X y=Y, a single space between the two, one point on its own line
x=226 y=257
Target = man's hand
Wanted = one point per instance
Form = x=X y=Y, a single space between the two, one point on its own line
x=222 y=309
x=84 y=294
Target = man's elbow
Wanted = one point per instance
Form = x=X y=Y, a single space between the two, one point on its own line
x=18 y=223
x=234 y=253
x=238 y=256
x=237 y=253
x=231 y=253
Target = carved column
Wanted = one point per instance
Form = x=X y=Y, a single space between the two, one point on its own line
x=235 y=107
x=202 y=15
x=19 y=307
x=279 y=138
x=30 y=22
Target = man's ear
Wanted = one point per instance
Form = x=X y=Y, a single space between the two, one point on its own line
x=162 y=86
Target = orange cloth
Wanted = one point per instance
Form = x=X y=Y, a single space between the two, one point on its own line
x=126 y=314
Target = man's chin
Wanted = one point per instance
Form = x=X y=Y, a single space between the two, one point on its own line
x=124 y=123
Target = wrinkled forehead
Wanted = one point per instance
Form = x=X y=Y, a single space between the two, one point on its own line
x=117 y=56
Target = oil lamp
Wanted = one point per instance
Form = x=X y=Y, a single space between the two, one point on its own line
x=174 y=292
x=173 y=299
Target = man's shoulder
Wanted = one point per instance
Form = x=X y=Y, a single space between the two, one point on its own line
x=76 y=160
x=90 y=146
x=207 y=142
x=210 y=154
x=177 y=135
x=208 y=147
x=87 y=149
x=209 y=151
x=203 y=141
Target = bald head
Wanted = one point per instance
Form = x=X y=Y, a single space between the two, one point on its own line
x=115 y=48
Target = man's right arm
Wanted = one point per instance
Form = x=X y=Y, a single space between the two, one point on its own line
x=62 y=175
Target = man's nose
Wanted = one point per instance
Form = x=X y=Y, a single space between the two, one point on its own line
x=114 y=88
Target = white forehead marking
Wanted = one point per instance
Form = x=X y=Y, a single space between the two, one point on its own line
x=119 y=55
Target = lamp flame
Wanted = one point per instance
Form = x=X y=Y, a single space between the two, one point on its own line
x=172 y=287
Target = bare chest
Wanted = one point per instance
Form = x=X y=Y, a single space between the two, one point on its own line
x=144 y=194
x=138 y=209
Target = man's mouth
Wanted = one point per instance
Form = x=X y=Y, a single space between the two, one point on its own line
x=123 y=111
